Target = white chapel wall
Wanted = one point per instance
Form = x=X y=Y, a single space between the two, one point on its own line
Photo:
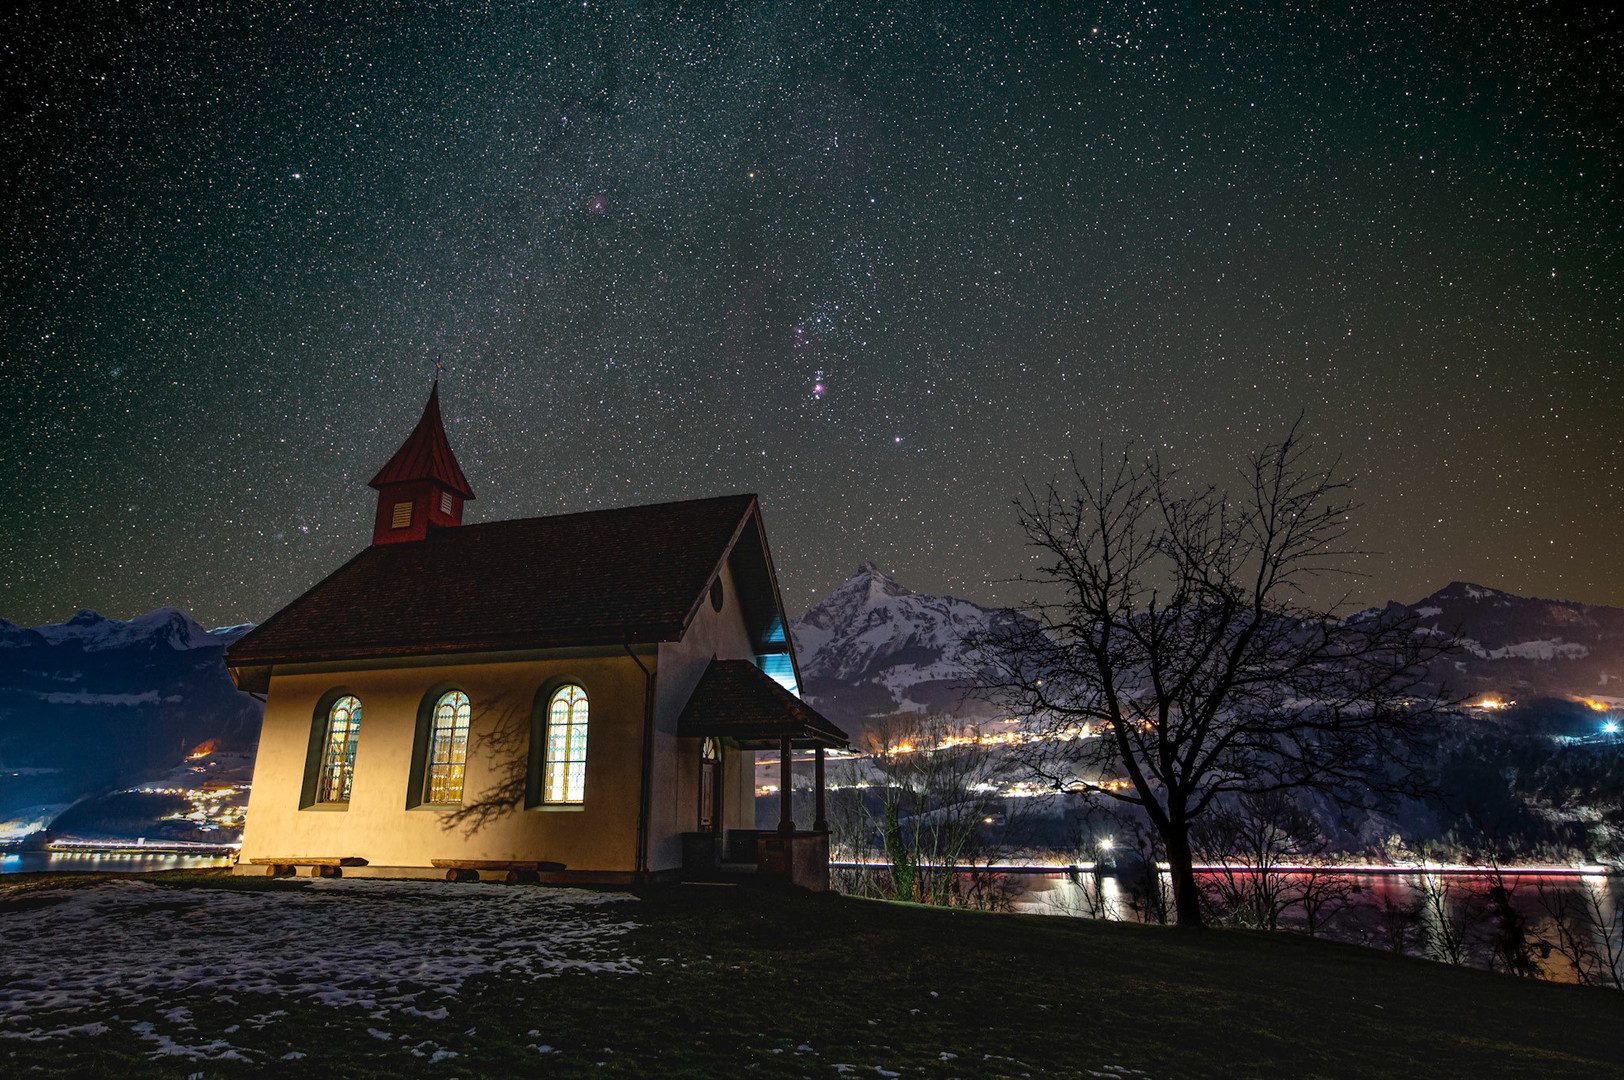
x=675 y=798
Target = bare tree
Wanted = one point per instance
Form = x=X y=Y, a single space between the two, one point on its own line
x=1246 y=845
x=1179 y=658
x=1609 y=930
x=1511 y=949
x=1582 y=931
x=939 y=788
x=1398 y=925
x=1444 y=920
x=851 y=835
x=930 y=791
x=1141 y=873
x=1323 y=894
x=1459 y=916
x=1265 y=856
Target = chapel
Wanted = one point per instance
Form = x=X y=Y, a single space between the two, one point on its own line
x=574 y=698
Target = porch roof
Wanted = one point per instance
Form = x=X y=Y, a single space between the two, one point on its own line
x=737 y=700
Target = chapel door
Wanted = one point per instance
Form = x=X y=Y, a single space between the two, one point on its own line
x=710 y=775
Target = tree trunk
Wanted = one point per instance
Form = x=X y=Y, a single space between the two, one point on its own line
x=1181 y=868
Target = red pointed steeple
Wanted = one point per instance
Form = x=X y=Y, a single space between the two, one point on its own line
x=422 y=485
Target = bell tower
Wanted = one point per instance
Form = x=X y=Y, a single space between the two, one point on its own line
x=422 y=486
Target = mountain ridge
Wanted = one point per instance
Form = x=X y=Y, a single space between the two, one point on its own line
x=874 y=646
x=95 y=632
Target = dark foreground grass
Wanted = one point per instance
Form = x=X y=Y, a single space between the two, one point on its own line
x=742 y=982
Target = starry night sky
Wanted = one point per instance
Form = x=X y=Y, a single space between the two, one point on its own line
x=875 y=264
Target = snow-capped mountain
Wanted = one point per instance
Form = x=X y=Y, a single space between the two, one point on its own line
x=874 y=647
x=94 y=702
x=94 y=632
x=1523 y=647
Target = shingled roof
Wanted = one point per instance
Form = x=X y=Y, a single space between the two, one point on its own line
x=607 y=577
x=737 y=700
x=425 y=455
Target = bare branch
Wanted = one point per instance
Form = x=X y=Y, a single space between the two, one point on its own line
x=1176 y=659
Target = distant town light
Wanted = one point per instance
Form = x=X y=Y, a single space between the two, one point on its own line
x=1107 y=844
x=1610 y=728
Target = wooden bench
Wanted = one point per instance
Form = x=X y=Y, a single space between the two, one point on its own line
x=512 y=871
x=309 y=865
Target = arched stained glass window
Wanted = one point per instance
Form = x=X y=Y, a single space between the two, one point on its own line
x=448 y=749
x=565 y=779
x=338 y=750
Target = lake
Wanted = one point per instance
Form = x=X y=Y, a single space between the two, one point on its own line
x=55 y=862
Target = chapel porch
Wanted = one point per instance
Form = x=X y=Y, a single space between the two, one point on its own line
x=736 y=701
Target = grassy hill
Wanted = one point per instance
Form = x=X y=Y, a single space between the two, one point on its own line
x=742 y=982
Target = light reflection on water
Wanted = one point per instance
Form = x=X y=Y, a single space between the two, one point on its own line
x=1082 y=895
x=33 y=862
x=1388 y=911
x=1104 y=897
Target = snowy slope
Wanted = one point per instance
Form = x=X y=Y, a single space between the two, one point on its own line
x=1523 y=647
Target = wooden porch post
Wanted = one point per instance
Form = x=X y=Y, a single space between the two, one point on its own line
x=822 y=822
x=786 y=813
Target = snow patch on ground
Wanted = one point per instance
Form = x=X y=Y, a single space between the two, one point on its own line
x=76 y=1031
x=217 y=1050
x=392 y=945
